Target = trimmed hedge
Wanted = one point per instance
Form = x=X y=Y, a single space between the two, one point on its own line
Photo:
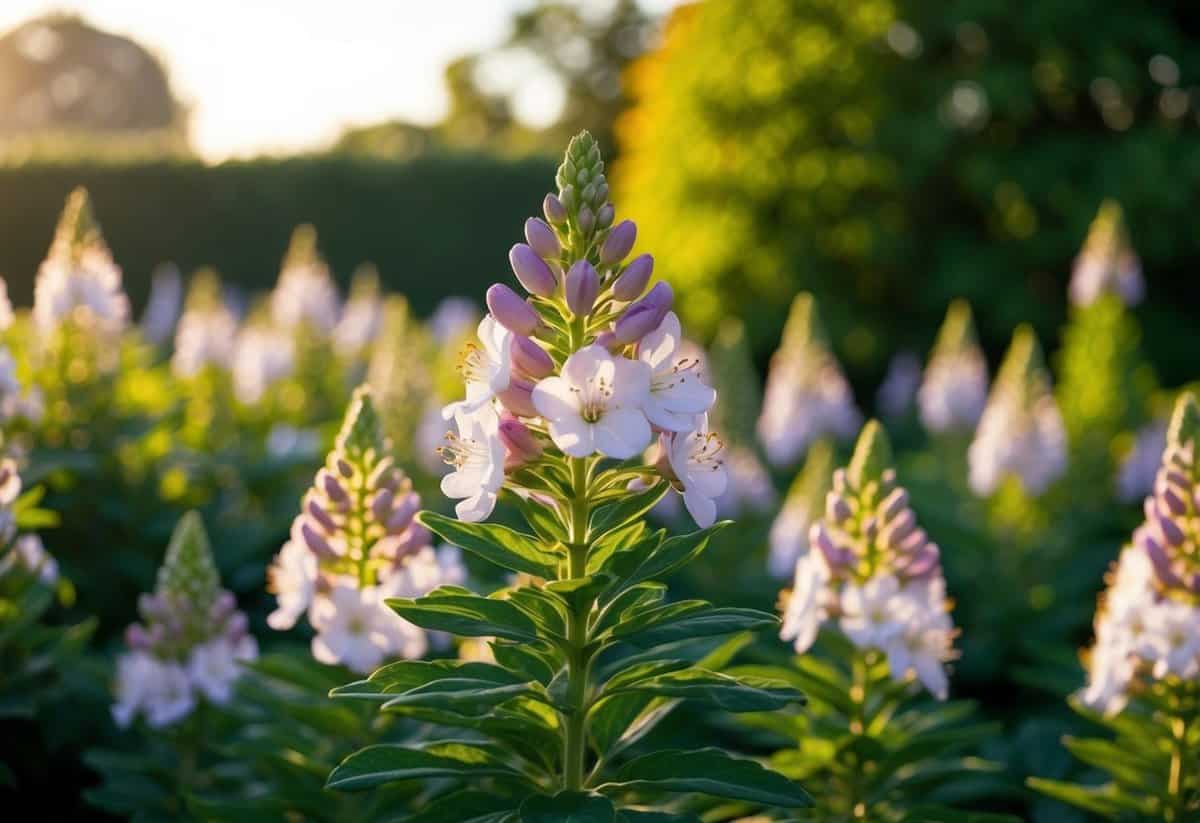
x=436 y=225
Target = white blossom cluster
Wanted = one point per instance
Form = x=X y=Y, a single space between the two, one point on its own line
x=1107 y=263
x=354 y=545
x=954 y=388
x=305 y=297
x=806 y=397
x=1135 y=475
x=873 y=574
x=14 y=402
x=263 y=355
x=804 y=506
x=1021 y=433
x=208 y=336
x=20 y=554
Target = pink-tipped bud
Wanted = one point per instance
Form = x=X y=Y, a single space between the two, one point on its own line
x=344 y=468
x=532 y=271
x=381 y=504
x=582 y=288
x=644 y=316
x=895 y=503
x=542 y=239
x=511 y=311
x=317 y=512
x=633 y=280
x=619 y=243
x=316 y=542
x=518 y=397
x=332 y=487
x=522 y=446
x=837 y=508
x=531 y=359
x=554 y=210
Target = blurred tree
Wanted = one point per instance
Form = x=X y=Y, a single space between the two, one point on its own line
x=891 y=155
x=66 y=83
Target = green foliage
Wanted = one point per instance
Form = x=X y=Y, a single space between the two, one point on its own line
x=891 y=155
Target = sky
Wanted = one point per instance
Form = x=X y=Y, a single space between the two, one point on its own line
x=273 y=76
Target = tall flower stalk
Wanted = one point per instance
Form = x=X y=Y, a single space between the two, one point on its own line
x=566 y=389
x=954 y=387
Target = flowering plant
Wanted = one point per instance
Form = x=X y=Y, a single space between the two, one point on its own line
x=565 y=391
x=1144 y=668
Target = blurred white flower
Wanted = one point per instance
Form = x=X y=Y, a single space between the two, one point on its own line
x=215 y=666
x=1135 y=476
x=160 y=691
x=86 y=288
x=954 y=388
x=452 y=318
x=805 y=606
x=30 y=554
x=292 y=578
x=899 y=387
x=262 y=357
x=357 y=629
x=205 y=337
x=306 y=297
x=748 y=486
x=163 y=305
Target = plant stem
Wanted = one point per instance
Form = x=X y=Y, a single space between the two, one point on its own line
x=578 y=661
x=1176 y=781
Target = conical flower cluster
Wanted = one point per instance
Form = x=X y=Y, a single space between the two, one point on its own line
x=78 y=281
x=899 y=388
x=807 y=396
x=1107 y=264
x=955 y=385
x=872 y=572
x=1147 y=624
x=354 y=544
x=804 y=505
x=13 y=401
x=305 y=297
x=190 y=642
x=362 y=316
x=263 y=355
x=207 y=332
x=163 y=305
x=1021 y=433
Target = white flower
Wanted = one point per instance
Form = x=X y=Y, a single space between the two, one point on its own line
x=788 y=538
x=1172 y=640
x=596 y=405
x=88 y=287
x=477 y=454
x=486 y=370
x=953 y=390
x=899 y=386
x=361 y=321
x=162 y=307
x=922 y=647
x=873 y=614
x=1135 y=477
x=262 y=357
x=29 y=553
x=159 y=690
x=697 y=461
x=214 y=666
x=12 y=403
x=429 y=568
x=305 y=295
x=806 y=608
x=1116 y=271
x=6 y=309
x=807 y=397
x=1027 y=442
x=204 y=337
x=355 y=628
x=677 y=394
x=292 y=577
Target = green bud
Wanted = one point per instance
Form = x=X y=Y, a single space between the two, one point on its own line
x=361 y=430
x=958 y=330
x=77 y=227
x=872 y=456
x=803 y=326
x=1185 y=421
x=189 y=572
x=302 y=249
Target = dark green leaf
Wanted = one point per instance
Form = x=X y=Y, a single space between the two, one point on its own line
x=688 y=618
x=720 y=690
x=669 y=556
x=709 y=771
x=386 y=762
x=465 y=807
x=456 y=610
x=568 y=807
x=632 y=506
x=497 y=544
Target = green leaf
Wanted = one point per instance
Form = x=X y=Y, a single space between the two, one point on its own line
x=456 y=610
x=568 y=807
x=497 y=544
x=542 y=519
x=529 y=660
x=669 y=556
x=387 y=762
x=638 y=816
x=722 y=691
x=395 y=678
x=634 y=599
x=685 y=619
x=468 y=696
x=465 y=807
x=712 y=772
x=632 y=506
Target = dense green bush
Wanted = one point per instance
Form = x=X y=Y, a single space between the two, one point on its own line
x=408 y=218
x=890 y=155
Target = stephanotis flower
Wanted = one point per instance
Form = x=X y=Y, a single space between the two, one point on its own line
x=487 y=370
x=596 y=404
x=677 y=393
x=697 y=469
x=477 y=454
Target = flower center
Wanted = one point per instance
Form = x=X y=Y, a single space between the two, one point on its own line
x=685 y=369
x=355 y=625
x=707 y=451
x=473 y=364
x=594 y=397
x=461 y=452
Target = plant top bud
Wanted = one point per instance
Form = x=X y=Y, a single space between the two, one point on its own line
x=619 y=243
x=582 y=288
x=541 y=238
x=511 y=311
x=532 y=271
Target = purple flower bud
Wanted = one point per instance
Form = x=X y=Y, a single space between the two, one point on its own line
x=522 y=446
x=223 y=606
x=587 y=220
x=1171 y=497
x=619 y=243
x=317 y=544
x=237 y=626
x=344 y=468
x=633 y=279
x=554 y=210
x=541 y=238
x=582 y=287
x=604 y=217
x=136 y=637
x=398 y=547
x=532 y=271
x=530 y=358
x=518 y=397
x=923 y=563
x=381 y=504
x=511 y=311
x=898 y=529
x=1160 y=562
x=317 y=512
x=402 y=514
x=837 y=508
x=893 y=505
x=1170 y=531
x=913 y=543
x=382 y=476
x=332 y=487
x=644 y=316
x=837 y=558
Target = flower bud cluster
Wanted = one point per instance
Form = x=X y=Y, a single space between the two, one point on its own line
x=362 y=316
x=78 y=281
x=305 y=296
x=955 y=384
x=899 y=388
x=807 y=397
x=591 y=362
x=354 y=544
x=207 y=333
x=1146 y=626
x=263 y=355
x=1021 y=433
x=804 y=505
x=25 y=554
x=1107 y=264
x=191 y=639
x=871 y=570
